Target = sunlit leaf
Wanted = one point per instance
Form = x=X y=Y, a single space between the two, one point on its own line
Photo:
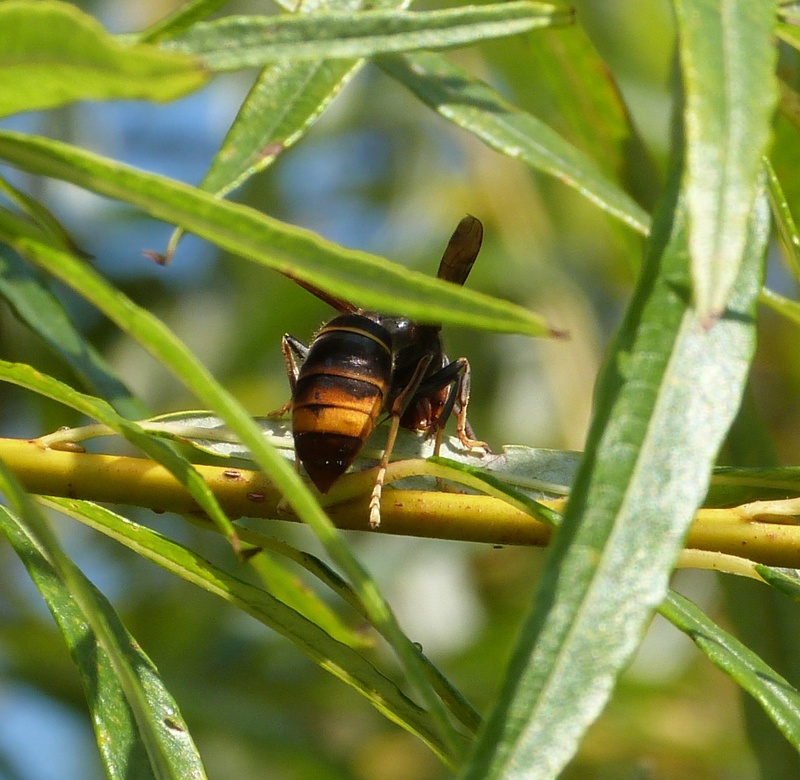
x=365 y=279
x=43 y=313
x=27 y=377
x=476 y=107
x=335 y=657
x=51 y=53
x=252 y=41
x=640 y=481
x=163 y=344
x=779 y=699
x=727 y=56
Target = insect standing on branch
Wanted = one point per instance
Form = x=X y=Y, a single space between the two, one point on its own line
x=362 y=364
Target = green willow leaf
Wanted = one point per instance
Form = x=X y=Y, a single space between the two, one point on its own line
x=34 y=304
x=51 y=54
x=42 y=216
x=786 y=307
x=476 y=107
x=181 y=19
x=561 y=78
x=252 y=41
x=365 y=279
x=140 y=731
x=784 y=221
x=727 y=56
x=761 y=618
x=636 y=492
x=285 y=101
x=166 y=347
x=779 y=699
x=789 y=33
x=333 y=656
x=25 y=376
x=787 y=581
x=731 y=485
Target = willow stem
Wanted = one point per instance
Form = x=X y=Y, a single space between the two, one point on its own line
x=739 y=531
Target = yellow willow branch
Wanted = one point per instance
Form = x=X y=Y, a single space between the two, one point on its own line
x=242 y=493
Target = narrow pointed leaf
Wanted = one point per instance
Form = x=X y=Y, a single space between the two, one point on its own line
x=252 y=41
x=333 y=656
x=790 y=33
x=43 y=313
x=51 y=54
x=162 y=343
x=639 y=484
x=779 y=699
x=136 y=719
x=42 y=216
x=367 y=280
x=786 y=307
x=784 y=220
x=183 y=17
x=285 y=101
x=27 y=377
x=479 y=109
x=727 y=56
x=562 y=80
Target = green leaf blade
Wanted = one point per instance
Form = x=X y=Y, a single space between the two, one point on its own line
x=727 y=56
x=778 y=698
x=41 y=311
x=284 y=102
x=635 y=496
x=162 y=343
x=365 y=279
x=479 y=109
x=52 y=54
x=252 y=41
x=140 y=730
x=332 y=655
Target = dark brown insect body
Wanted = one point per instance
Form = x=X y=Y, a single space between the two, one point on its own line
x=363 y=364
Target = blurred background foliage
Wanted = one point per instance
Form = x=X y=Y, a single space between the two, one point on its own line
x=378 y=172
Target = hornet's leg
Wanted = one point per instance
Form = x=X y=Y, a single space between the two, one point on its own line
x=294 y=353
x=395 y=413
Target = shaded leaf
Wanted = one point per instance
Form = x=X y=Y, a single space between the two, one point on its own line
x=27 y=377
x=42 y=216
x=140 y=731
x=43 y=313
x=183 y=17
x=784 y=221
x=161 y=342
x=286 y=99
x=333 y=656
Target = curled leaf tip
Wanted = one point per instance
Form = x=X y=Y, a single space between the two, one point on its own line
x=158 y=258
x=241 y=553
x=249 y=553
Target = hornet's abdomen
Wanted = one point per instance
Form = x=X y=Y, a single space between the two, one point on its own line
x=340 y=392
